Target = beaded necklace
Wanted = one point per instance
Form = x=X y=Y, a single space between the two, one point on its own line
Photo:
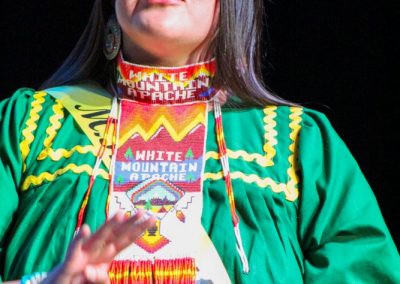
x=158 y=104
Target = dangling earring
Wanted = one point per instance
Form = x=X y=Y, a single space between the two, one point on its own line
x=112 y=38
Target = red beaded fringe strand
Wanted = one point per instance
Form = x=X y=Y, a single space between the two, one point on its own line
x=112 y=121
x=223 y=155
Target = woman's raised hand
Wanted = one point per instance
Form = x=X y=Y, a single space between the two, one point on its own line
x=90 y=255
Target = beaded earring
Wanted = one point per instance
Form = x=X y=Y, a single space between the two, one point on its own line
x=112 y=38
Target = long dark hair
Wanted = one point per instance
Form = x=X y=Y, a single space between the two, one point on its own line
x=236 y=47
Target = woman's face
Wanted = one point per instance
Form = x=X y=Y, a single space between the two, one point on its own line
x=172 y=32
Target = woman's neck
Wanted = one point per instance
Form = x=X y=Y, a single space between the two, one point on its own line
x=167 y=58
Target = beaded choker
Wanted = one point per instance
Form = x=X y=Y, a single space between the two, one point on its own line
x=166 y=85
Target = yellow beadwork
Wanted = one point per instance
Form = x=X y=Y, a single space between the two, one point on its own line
x=169 y=125
x=153 y=271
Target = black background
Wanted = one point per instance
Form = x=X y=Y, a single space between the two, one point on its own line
x=335 y=56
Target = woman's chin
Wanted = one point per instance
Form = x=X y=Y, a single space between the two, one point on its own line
x=165 y=41
x=168 y=26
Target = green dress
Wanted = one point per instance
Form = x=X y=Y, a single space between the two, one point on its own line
x=307 y=213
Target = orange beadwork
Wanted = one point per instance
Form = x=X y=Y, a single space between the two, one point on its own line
x=161 y=271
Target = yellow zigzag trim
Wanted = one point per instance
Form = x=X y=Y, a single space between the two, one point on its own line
x=162 y=121
x=248 y=157
x=52 y=129
x=54 y=123
x=290 y=188
x=31 y=126
x=46 y=176
x=270 y=134
x=58 y=154
x=291 y=193
x=295 y=118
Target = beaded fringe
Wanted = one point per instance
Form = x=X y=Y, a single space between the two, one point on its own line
x=159 y=271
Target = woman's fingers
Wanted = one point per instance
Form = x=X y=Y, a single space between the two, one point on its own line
x=133 y=230
x=89 y=255
x=75 y=257
x=97 y=274
x=115 y=235
x=100 y=239
x=70 y=271
x=83 y=234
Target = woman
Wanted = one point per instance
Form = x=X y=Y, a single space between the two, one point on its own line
x=256 y=191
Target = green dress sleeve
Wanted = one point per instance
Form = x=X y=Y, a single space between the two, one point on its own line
x=341 y=229
x=13 y=113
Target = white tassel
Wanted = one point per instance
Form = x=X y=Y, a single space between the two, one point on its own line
x=96 y=168
x=115 y=115
x=114 y=108
x=240 y=250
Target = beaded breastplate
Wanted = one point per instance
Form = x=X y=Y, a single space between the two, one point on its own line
x=159 y=162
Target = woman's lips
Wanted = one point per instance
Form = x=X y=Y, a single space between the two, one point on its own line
x=164 y=2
